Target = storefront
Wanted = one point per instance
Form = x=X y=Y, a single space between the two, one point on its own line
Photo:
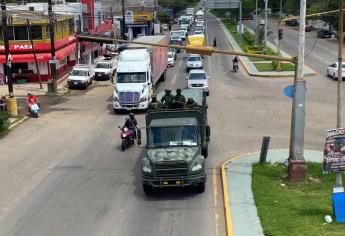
x=143 y=25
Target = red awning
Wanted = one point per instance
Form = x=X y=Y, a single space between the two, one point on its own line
x=41 y=57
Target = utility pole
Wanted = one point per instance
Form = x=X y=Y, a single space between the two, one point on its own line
x=12 y=102
x=281 y=9
x=297 y=165
x=52 y=84
x=265 y=36
x=256 y=22
x=34 y=52
x=339 y=180
x=123 y=20
x=240 y=8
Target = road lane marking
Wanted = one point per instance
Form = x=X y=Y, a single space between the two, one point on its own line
x=173 y=80
x=215 y=195
x=227 y=207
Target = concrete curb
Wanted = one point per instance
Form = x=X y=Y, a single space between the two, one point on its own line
x=18 y=122
x=225 y=188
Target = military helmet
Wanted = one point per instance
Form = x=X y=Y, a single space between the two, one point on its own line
x=178 y=91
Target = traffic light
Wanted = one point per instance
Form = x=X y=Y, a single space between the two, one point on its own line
x=280 y=34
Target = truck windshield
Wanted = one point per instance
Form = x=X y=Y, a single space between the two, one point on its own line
x=79 y=73
x=102 y=65
x=131 y=77
x=172 y=136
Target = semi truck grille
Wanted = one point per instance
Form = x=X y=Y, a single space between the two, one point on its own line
x=129 y=97
x=171 y=169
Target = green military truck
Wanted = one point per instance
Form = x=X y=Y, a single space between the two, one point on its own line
x=177 y=145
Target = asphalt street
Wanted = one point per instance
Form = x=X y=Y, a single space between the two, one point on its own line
x=64 y=173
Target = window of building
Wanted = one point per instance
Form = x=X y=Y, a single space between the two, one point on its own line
x=65 y=27
x=71 y=26
x=59 y=28
x=47 y=32
x=21 y=33
x=36 y=32
x=10 y=33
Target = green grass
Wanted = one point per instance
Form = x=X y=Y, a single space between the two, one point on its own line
x=294 y=209
x=263 y=67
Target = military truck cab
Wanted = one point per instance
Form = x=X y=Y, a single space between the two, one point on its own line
x=177 y=144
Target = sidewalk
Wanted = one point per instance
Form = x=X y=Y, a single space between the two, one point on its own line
x=249 y=66
x=243 y=218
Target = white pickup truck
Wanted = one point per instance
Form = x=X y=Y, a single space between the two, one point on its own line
x=106 y=68
x=81 y=76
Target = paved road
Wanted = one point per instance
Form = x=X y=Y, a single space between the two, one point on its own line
x=319 y=53
x=64 y=173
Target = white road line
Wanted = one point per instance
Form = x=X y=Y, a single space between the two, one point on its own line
x=173 y=80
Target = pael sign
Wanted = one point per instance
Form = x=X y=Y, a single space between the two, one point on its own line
x=334 y=152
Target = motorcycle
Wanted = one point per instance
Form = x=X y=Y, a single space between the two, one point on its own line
x=235 y=66
x=34 y=110
x=127 y=137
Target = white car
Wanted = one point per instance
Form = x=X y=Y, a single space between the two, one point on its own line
x=106 y=68
x=171 y=59
x=198 y=79
x=200 y=21
x=194 y=61
x=81 y=76
x=198 y=32
x=332 y=70
x=165 y=27
x=183 y=31
x=200 y=28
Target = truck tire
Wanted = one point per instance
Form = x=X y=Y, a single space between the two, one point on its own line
x=200 y=187
x=148 y=190
x=163 y=76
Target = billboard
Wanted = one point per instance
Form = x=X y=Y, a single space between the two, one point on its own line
x=334 y=152
x=140 y=3
x=221 y=4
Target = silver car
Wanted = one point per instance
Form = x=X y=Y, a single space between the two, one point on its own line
x=194 y=61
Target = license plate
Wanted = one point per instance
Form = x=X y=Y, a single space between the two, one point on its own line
x=75 y=83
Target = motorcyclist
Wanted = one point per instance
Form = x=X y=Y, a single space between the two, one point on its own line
x=31 y=100
x=3 y=103
x=179 y=99
x=214 y=42
x=235 y=62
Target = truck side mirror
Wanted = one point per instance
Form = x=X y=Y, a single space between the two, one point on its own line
x=208 y=133
x=139 y=137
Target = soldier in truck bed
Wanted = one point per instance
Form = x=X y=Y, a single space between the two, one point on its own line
x=168 y=99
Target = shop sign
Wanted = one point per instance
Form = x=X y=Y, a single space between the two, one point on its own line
x=143 y=17
x=129 y=19
x=334 y=153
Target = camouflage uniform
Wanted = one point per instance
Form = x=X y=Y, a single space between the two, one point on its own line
x=179 y=100
x=191 y=103
x=167 y=99
x=155 y=105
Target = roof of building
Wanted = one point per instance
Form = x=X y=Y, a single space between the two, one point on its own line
x=20 y=16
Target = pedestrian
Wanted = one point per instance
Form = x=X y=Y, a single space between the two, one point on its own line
x=3 y=103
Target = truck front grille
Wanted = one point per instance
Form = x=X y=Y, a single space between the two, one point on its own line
x=171 y=168
x=129 y=97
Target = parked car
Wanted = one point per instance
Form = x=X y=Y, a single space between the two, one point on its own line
x=332 y=70
x=165 y=27
x=309 y=28
x=324 y=34
x=81 y=76
x=171 y=59
x=198 y=79
x=194 y=61
x=292 y=22
x=106 y=68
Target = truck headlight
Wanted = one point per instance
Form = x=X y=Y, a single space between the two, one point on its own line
x=197 y=167
x=147 y=169
x=143 y=99
x=146 y=166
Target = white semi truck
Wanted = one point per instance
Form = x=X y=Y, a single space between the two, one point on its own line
x=139 y=69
